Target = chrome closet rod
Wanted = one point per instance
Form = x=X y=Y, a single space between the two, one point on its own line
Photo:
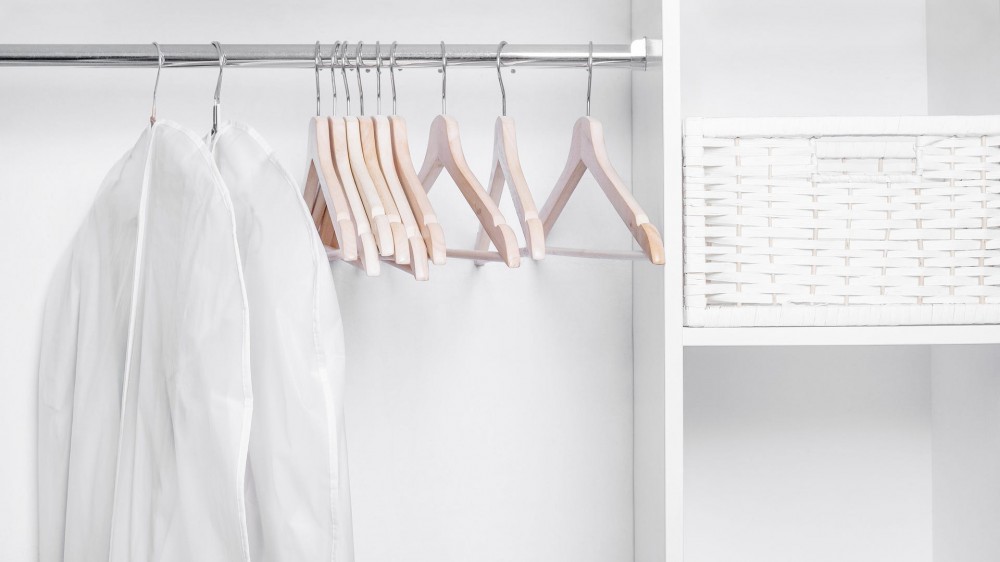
x=635 y=56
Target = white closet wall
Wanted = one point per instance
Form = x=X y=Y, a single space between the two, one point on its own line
x=963 y=57
x=490 y=410
x=821 y=57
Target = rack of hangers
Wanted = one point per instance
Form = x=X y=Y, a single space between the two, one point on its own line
x=367 y=198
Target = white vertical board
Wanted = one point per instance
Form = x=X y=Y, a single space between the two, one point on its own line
x=657 y=301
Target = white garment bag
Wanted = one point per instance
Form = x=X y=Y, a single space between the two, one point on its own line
x=196 y=283
x=188 y=399
x=85 y=330
x=298 y=496
x=150 y=306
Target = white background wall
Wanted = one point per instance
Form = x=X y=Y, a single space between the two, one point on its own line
x=803 y=57
x=498 y=424
x=963 y=57
x=806 y=454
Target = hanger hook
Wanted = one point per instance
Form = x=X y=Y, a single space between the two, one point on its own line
x=333 y=75
x=392 y=75
x=343 y=74
x=156 y=84
x=444 y=80
x=590 y=74
x=318 y=61
x=503 y=92
x=218 y=88
x=378 y=78
x=357 y=68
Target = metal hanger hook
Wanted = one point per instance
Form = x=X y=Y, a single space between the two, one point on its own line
x=378 y=78
x=357 y=68
x=343 y=74
x=156 y=84
x=590 y=74
x=217 y=102
x=333 y=76
x=392 y=75
x=318 y=63
x=503 y=92
x=444 y=80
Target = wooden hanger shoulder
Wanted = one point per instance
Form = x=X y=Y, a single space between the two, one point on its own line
x=423 y=211
x=368 y=247
x=366 y=187
x=325 y=195
x=386 y=160
x=369 y=151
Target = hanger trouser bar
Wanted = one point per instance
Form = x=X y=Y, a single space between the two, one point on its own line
x=634 y=56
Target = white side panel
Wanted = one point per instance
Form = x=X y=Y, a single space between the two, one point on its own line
x=657 y=308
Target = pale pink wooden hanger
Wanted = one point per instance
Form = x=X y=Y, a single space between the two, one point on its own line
x=588 y=152
x=506 y=170
x=444 y=152
x=419 y=257
x=368 y=250
x=324 y=194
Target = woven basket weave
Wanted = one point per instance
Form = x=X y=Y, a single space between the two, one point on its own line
x=842 y=221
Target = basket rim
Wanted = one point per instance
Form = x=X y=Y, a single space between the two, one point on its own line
x=763 y=127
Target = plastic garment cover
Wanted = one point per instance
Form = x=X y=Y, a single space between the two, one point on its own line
x=188 y=400
x=298 y=498
x=85 y=329
x=148 y=323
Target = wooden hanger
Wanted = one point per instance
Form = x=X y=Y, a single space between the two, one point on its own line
x=368 y=249
x=506 y=169
x=418 y=249
x=366 y=187
x=587 y=151
x=420 y=204
x=369 y=150
x=369 y=153
x=368 y=252
x=349 y=158
x=416 y=196
x=324 y=192
x=444 y=152
x=324 y=195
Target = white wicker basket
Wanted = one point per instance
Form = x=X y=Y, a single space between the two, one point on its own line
x=842 y=221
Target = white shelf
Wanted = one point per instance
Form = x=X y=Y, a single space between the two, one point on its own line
x=842 y=335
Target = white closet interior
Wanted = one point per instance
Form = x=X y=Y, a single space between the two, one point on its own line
x=560 y=411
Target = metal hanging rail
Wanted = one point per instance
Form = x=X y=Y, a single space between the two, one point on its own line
x=635 y=56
